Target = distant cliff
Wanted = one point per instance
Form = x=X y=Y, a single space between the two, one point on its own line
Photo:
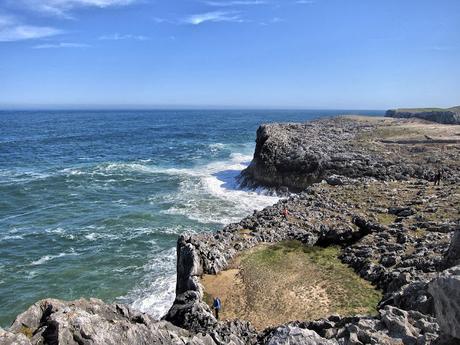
x=450 y=116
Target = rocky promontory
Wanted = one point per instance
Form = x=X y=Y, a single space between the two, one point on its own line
x=293 y=156
x=447 y=116
x=374 y=199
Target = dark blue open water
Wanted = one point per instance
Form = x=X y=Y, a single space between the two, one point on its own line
x=91 y=203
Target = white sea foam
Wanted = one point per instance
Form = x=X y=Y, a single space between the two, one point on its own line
x=47 y=258
x=212 y=194
x=11 y=237
x=155 y=294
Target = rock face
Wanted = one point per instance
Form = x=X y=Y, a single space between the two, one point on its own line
x=449 y=116
x=446 y=295
x=85 y=322
x=293 y=156
x=453 y=255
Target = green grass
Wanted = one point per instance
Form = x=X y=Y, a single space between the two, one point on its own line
x=349 y=294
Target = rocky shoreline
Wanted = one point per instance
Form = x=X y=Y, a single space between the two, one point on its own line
x=377 y=202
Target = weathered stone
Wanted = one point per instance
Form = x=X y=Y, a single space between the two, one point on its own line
x=87 y=322
x=296 y=336
x=9 y=338
x=453 y=255
x=446 y=295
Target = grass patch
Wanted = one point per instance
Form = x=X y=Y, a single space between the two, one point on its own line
x=27 y=331
x=288 y=281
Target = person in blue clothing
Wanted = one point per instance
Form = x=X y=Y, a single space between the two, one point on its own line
x=217 y=305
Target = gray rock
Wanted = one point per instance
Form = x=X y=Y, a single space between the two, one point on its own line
x=9 y=338
x=290 y=335
x=446 y=295
x=87 y=322
x=453 y=255
x=448 y=116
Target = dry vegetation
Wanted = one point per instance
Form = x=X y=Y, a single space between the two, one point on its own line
x=274 y=284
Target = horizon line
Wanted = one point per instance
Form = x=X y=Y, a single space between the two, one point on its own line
x=131 y=107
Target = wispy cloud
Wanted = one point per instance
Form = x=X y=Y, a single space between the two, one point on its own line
x=63 y=7
x=60 y=45
x=12 y=30
x=216 y=16
x=228 y=3
x=119 y=37
x=305 y=2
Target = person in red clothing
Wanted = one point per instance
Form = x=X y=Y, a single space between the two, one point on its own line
x=285 y=213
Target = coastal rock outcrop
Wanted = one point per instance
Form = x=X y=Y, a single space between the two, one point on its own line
x=293 y=156
x=446 y=295
x=85 y=322
x=447 y=116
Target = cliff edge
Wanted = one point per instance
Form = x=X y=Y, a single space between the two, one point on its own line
x=447 y=116
x=293 y=156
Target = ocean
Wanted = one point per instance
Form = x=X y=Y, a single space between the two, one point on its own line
x=92 y=202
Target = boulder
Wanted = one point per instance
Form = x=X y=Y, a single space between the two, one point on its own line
x=446 y=296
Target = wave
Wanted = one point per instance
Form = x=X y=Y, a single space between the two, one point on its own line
x=213 y=194
x=47 y=258
x=156 y=293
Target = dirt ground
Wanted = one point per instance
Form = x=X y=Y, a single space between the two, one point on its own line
x=271 y=285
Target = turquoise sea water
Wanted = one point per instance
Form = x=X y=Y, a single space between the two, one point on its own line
x=92 y=202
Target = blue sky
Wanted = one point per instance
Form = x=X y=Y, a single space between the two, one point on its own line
x=355 y=54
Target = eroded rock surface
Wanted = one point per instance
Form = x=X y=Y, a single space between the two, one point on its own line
x=446 y=295
x=447 y=116
x=293 y=156
x=85 y=322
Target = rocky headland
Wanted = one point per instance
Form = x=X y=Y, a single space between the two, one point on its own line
x=364 y=185
x=448 y=116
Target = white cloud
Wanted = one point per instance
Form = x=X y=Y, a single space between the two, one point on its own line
x=60 y=45
x=13 y=30
x=305 y=2
x=225 y=3
x=118 y=37
x=62 y=7
x=217 y=16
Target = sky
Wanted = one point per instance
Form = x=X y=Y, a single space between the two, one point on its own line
x=329 y=54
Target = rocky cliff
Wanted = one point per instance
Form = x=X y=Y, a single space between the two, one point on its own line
x=401 y=235
x=293 y=156
x=448 y=116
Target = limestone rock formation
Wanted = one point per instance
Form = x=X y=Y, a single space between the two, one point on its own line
x=453 y=255
x=447 y=116
x=293 y=156
x=86 y=322
x=446 y=295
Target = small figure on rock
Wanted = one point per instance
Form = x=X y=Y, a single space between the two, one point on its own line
x=217 y=305
x=438 y=177
x=285 y=213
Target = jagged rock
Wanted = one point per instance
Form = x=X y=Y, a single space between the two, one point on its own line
x=87 y=322
x=9 y=338
x=448 y=116
x=446 y=295
x=190 y=312
x=296 y=336
x=293 y=155
x=453 y=255
x=188 y=267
